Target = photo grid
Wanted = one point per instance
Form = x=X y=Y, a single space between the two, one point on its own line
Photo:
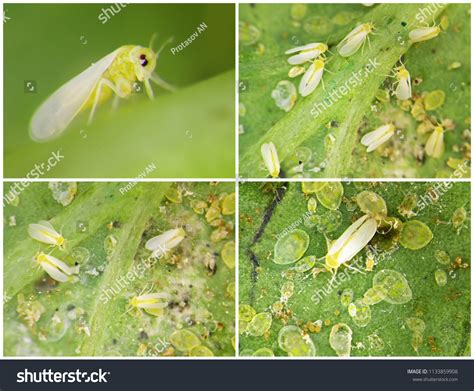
x=245 y=181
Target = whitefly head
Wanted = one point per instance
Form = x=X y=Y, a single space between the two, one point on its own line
x=144 y=60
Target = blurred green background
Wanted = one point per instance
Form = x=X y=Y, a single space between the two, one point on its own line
x=189 y=133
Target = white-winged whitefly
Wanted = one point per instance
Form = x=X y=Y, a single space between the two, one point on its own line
x=377 y=137
x=403 y=89
x=434 y=147
x=44 y=232
x=424 y=33
x=270 y=158
x=56 y=269
x=354 y=239
x=312 y=77
x=354 y=40
x=161 y=244
x=306 y=53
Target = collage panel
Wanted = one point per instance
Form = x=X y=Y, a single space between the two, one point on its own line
x=354 y=269
x=354 y=90
x=119 y=90
x=114 y=269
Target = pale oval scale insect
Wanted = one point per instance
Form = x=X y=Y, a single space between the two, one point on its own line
x=114 y=73
x=270 y=158
x=161 y=244
x=377 y=137
x=44 y=232
x=311 y=78
x=354 y=239
x=424 y=33
x=306 y=52
x=435 y=145
x=354 y=40
x=56 y=269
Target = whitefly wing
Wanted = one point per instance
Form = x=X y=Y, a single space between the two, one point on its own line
x=56 y=113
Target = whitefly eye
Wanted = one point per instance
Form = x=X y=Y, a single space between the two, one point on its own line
x=143 y=60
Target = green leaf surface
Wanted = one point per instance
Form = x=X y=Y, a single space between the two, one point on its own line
x=111 y=222
x=268 y=211
x=330 y=113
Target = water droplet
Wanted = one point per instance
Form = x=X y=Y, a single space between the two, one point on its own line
x=291 y=247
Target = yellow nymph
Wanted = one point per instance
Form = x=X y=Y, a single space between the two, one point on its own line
x=44 y=232
x=115 y=73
